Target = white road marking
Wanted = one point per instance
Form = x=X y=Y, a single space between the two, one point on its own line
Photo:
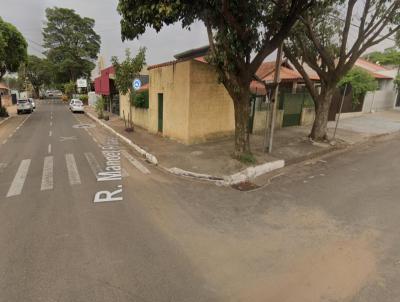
x=94 y=139
x=47 y=176
x=5 y=141
x=50 y=133
x=3 y=165
x=135 y=162
x=49 y=148
x=19 y=178
x=93 y=163
x=73 y=174
x=51 y=124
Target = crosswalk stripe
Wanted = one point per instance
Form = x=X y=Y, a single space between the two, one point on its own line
x=73 y=174
x=47 y=176
x=135 y=162
x=93 y=163
x=19 y=179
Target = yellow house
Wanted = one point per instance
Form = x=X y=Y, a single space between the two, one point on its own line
x=186 y=103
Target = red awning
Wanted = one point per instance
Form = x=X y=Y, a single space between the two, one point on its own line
x=102 y=83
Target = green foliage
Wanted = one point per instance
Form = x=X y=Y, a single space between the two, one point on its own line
x=38 y=71
x=84 y=98
x=390 y=56
x=100 y=105
x=71 y=43
x=247 y=158
x=13 y=48
x=360 y=81
x=142 y=100
x=127 y=70
x=69 y=89
x=3 y=112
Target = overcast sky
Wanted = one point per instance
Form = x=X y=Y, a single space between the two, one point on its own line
x=29 y=15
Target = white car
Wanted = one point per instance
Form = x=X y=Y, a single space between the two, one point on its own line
x=24 y=106
x=32 y=102
x=76 y=106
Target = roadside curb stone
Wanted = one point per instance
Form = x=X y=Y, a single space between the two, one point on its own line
x=226 y=180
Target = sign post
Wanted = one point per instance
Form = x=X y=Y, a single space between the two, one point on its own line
x=136 y=84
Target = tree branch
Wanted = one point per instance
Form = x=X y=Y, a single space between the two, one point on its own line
x=346 y=29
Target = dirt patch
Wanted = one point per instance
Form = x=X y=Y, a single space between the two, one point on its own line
x=334 y=272
x=289 y=254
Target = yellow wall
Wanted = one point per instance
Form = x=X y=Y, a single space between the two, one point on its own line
x=196 y=107
x=140 y=116
x=173 y=82
x=211 y=112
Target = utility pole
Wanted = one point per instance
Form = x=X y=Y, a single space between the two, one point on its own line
x=277 y=79
x=340 y=110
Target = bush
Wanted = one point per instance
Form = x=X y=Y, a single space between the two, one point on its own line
x=247 y=158
x=141 y=100
x=3 y=112
x=84 y=98
x=100 y=104
x=361 y=82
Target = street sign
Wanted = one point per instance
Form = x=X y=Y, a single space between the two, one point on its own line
x=81 y=83
x=137 y=84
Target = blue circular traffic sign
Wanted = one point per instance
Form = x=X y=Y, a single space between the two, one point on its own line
x=137 y=84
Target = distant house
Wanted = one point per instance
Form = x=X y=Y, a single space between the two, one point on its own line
x=384 y=97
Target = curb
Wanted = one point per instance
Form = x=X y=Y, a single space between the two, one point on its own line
x=243 y=176
x=228 y=180
x=149 y=157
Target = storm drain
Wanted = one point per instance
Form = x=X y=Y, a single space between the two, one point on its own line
x=245 y=186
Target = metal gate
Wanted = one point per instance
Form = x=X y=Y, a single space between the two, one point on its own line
x=292 y=105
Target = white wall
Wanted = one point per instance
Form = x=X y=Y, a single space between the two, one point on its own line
x=92 y=98
x=382 y=99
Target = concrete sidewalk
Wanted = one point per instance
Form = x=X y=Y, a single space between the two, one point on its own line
x=360 y=128
x=290 y=145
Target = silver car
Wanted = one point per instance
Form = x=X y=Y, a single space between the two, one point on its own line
x=24 y=106
x=76 y=106
x=32 y=102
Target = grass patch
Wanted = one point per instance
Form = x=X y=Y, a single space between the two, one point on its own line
x=247 y=158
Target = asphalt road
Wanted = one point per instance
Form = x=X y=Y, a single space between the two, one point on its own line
x=323 y=231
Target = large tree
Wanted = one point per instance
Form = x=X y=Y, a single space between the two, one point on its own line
x=322 y=40
x=71 y=43
x=13 y=48
x=126 y=72
x=38 y=71
x=241 y=34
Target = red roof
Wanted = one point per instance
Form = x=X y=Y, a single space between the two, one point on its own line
x=144 y=87
x=369 y=65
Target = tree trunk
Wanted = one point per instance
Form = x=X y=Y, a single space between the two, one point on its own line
x=322 y=106
x=242 y=111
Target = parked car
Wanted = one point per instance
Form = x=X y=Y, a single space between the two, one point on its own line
x=24 y=106
x=32 y=102
x=76 y=106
